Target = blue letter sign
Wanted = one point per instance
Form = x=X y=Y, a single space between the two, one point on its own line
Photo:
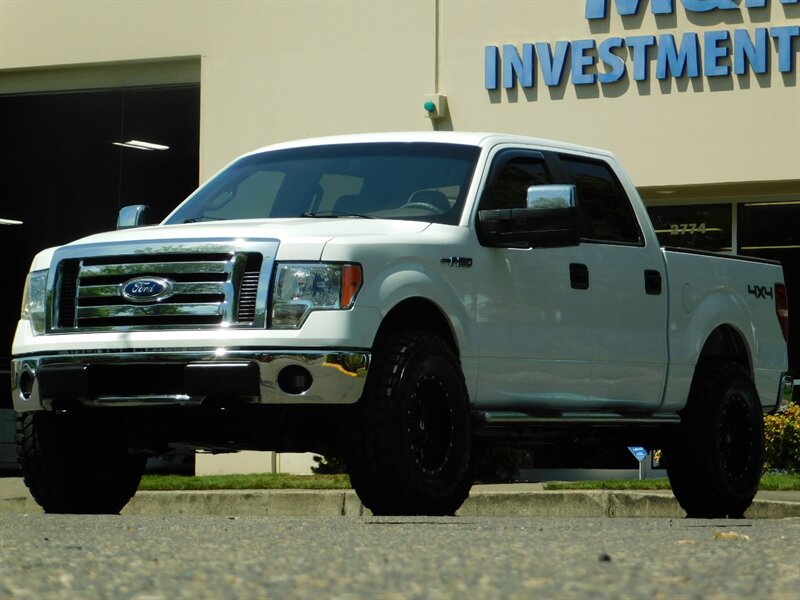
x=717 y=53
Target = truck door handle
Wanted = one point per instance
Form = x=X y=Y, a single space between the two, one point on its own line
x=652 y=282
x=579 y=276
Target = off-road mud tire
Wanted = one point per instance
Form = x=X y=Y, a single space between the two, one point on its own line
x=714 y=460
x=76 y=465
x=410 y=437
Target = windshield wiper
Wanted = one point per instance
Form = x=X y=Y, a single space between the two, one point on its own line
x=199 y=219
x=333 y=214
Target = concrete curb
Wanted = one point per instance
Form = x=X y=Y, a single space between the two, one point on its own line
x=595 y=503
x=304 y=503
x=271 y=503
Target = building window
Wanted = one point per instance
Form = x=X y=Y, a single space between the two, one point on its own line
x=700 y=227
x=769 y=226
x=71 y=159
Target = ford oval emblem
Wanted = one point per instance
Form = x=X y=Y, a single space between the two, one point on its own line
x=147 y=289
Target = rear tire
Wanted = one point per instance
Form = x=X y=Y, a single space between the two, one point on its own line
x=410 y=442
x=714 y=461
x=76 y=465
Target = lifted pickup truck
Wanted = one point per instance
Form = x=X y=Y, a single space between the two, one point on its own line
x=401 y=300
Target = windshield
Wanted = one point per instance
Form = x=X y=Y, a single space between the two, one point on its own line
x=412 y=181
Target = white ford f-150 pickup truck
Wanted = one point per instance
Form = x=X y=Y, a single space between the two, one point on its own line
x=402 y=300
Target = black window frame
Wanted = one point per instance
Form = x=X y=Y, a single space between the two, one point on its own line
x=499 y=162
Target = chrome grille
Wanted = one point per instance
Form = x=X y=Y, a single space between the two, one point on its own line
x=205 y=289
x=68 y=281
x=248 y=289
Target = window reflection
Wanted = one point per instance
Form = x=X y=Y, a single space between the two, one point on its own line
x=700 y=227
x=769 y=225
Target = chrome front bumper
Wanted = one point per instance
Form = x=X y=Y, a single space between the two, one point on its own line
x=164 y=378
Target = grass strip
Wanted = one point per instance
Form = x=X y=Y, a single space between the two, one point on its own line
x=769 y=482
x=610 y=484
x=255 y=481
x=781 y=482
x=285 y=481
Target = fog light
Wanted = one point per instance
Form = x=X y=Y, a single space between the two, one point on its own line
x=294 y=380
x=26 y=384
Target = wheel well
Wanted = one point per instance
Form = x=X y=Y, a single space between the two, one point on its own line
x=725 y=344
x=418 y=314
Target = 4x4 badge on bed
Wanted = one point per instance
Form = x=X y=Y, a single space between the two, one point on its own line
x=759 y=291
x=147 y=289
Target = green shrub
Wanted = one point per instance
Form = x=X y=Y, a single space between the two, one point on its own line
x=782 y=433
x=499 y=464
x=328 y=465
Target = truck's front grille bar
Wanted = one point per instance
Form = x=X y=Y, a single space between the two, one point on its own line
x=68 y=282
x=248 y=290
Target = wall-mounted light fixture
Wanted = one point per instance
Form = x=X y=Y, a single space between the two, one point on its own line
x=435 y=106
x=140 y=145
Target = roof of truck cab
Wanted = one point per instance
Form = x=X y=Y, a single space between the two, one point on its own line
x=442 y=137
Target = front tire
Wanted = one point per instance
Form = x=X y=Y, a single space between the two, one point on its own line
x=715 y=459
x=76 y=465
x=410 y=443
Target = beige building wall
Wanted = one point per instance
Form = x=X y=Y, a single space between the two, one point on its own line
x=272 y=71
x=249 y=461
x=688 y=131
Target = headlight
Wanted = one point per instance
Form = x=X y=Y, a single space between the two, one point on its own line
x=34 y=300
x=299 y=289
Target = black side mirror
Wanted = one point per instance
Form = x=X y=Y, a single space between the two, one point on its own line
x=135 y=215
x=550 y=220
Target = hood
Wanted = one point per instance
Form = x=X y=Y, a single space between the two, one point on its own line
x=300 y=239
